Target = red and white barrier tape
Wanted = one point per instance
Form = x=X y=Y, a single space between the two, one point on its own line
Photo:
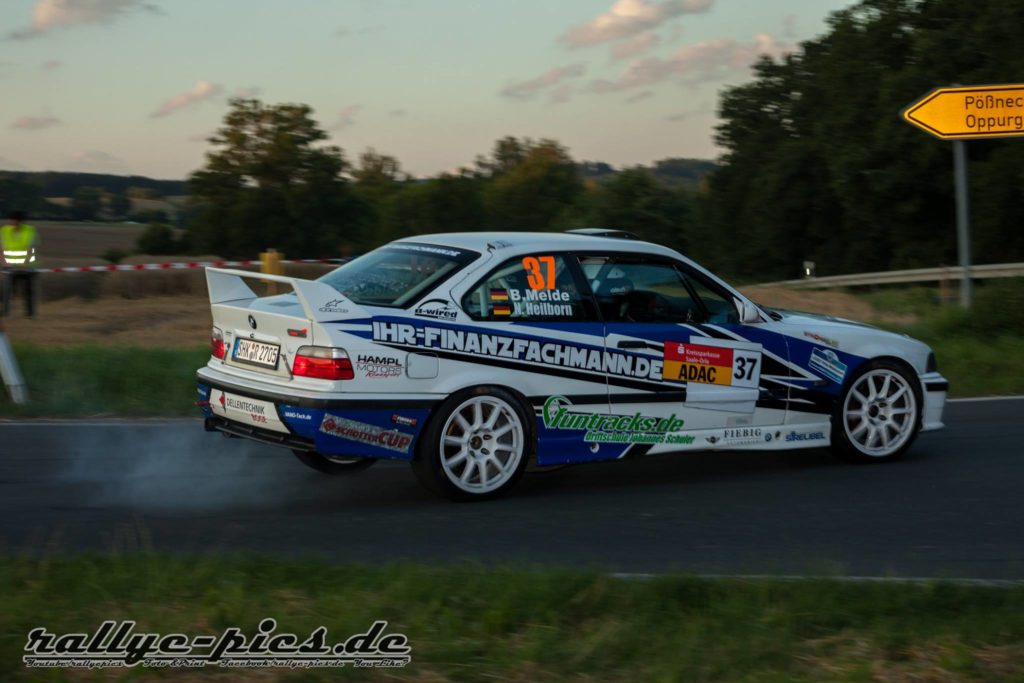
x=179 y=266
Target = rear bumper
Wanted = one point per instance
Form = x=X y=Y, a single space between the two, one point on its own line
x=935 y=387
x=356 y=425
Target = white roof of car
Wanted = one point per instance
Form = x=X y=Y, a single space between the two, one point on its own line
x=555 y=241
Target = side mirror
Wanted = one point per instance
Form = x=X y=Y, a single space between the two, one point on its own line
x=749 y=313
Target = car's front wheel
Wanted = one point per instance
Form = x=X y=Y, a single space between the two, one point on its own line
x=476 y=446
x=333 y=464
x=878 y=415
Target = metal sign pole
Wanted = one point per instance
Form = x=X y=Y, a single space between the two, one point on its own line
x=963 y=223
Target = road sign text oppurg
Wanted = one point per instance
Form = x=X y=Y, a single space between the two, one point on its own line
x=995 y=121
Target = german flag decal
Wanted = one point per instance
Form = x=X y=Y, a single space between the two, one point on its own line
x=502 y=309
x=499 y=295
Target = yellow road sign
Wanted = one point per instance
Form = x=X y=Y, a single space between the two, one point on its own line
x=981 y=111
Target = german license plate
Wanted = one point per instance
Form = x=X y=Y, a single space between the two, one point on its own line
x=256 y=353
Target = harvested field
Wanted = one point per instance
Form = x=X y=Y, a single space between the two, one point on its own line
x=171 y=310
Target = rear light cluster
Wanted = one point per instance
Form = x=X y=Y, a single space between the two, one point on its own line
x=217 y=343
x=322 y=362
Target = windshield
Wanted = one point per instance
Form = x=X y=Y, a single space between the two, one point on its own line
x=398 y=274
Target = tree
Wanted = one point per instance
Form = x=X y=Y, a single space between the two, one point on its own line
x=268 y=182
x=817 y=165
x=119 y=205
x=87 y=203
x=535 y=191
x=634 y=200
x=157 y=239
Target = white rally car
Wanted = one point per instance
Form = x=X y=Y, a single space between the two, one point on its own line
x=475 y=355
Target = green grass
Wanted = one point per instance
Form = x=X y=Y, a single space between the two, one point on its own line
x=83 y=381
x=471 y=623
x=980 y=352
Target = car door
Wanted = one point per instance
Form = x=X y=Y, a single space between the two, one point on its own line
x=555 y=357
x=710 y=366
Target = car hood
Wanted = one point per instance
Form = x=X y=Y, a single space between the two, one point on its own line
x=850 y=336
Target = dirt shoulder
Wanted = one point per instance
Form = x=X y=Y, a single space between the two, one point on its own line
x=156 y=322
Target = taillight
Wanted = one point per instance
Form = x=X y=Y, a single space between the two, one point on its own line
x=217 y=343
x=322 y=362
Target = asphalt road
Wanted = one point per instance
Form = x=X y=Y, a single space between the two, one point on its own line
x=953 y=507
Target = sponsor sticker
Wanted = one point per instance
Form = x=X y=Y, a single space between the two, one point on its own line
x=335 y=306
x=251 y=411
x=707 y=364
x=824 y=340
x=379 y=367
x=404 y=421
x=344 y=428
x=542 y=353
x=439 y=309
x=827 y=363
x=296 y=414
x=557 y=413
x=805 y=436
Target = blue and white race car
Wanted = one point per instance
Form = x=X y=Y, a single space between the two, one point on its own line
x=475 y=355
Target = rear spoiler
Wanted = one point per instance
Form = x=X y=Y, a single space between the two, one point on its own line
x=319 y=301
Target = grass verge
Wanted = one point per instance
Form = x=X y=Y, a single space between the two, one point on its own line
x=83 y=381
x=471 y=623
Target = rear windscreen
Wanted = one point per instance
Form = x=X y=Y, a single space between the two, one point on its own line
x=397 y=274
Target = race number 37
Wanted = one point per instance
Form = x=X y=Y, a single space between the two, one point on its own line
x=540 y=271
x=711 y=365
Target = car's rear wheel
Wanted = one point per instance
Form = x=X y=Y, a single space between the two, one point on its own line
x=333 y=464
x=476 y=446
x=879 y=414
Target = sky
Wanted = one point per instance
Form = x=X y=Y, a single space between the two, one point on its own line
x=136 y=86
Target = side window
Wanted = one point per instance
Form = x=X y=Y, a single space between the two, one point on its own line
x=720 y=309
x=538 y=287
x=641 y=292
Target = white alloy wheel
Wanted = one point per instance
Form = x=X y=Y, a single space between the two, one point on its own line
x=481 y=444
x=880 y=413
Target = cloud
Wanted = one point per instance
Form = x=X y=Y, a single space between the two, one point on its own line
x=700 y=63
x=398 y=113
x=789 y=26
x=50 y=14
x=630 y=17
x=346 y=117
x=561 y=94
x=200 y=92
x=635 y=46
x=345 y=31
x=687 y=115
x=96 y=161
x=35 y=122
x=9 y=165
x=525 y=90
x=51 y=64
x=201 y=137
x=246 y=93
x=639 y=97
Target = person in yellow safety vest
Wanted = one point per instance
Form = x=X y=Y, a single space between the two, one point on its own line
x=18 y=244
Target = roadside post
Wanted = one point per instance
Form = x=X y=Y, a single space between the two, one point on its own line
x=270 y=264
x=9 y=369
x=961 y=113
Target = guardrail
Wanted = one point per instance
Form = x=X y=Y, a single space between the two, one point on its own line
x=893 y=277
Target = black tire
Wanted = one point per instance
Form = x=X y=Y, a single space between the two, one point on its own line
x=437 y=464
x=326 y=465
x=894 y=417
